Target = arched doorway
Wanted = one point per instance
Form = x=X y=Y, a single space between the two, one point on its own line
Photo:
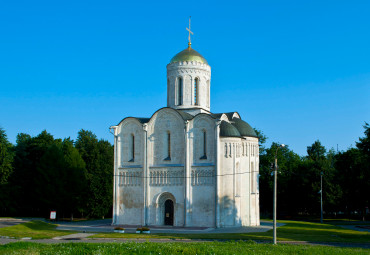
x=168 y=212
x=166 y=206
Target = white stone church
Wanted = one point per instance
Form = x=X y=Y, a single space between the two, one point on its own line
x=185 y=166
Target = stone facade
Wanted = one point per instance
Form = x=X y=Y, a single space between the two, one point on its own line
x=185 y=166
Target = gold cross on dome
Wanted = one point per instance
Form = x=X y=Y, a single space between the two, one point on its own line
x=190 y=32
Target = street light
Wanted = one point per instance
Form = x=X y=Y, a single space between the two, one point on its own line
x=275 y=191
x=322 y=213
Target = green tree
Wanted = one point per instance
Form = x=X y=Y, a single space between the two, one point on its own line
x=6 y=157
x=51 y=179
x=261 y=140
x=6 y=169
x=76 y=181
x=28 y=153
x=321 y=162
x=364 y=172
x=354 y=171
x=288 y=162
x=316 y=151
x=98 y=156
x=348 y=165
x=364 y=142
x=61 y=182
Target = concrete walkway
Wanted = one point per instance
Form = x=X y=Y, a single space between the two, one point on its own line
x=8 y=222
x=88 y=228
x=357 y=227
x=77 y=236
x=105 y=226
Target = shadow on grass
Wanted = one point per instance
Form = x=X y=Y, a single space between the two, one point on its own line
x=292 y=231
x=35 y=229
x=39 y=225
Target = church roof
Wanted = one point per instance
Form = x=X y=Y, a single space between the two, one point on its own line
x=228 y=130
x=142 y=120
x=228 y=114
x=235 y=128
x=188 y=54
x=185 y=115
x=243 y=127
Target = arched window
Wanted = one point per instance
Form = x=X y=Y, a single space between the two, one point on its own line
x=168 y=146
x=204 y=134
x=196 y=91
x=179 y=91
x=132 y=148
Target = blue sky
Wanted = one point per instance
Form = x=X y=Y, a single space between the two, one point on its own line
x=298 y=71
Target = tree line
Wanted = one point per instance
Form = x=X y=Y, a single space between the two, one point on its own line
x=39 y=174
x=345 y=180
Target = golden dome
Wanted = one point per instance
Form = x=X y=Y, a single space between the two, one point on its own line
x=188 y=55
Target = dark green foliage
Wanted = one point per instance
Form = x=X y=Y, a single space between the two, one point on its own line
x=50 y=174
x=61 y=179
x=316 y=151
x=261 y=140
x=353 y=167
x=364 y=144
x=6 y=157
x=98 y=156
x=345 y=181
x=6 y=169
x=42 y=173
x=288 y=162
x=76 y=183
x=28 y=154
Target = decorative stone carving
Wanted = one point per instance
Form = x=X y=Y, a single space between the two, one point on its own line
x=202 y=177
x=164 y=177
x=130 y=178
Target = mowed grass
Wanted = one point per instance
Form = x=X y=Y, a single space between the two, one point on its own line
x=36 y=229
x=223 y=248
x=292 y=231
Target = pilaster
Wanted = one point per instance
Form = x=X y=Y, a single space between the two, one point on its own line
x=146 y=176
x=187 y=177
x=217 y=173
x=115 y=179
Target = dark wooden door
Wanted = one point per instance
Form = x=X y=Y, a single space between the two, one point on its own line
x=168 y=212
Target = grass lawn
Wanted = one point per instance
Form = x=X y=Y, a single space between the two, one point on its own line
x=36 y=229
x=223 y=248
x=292 y=231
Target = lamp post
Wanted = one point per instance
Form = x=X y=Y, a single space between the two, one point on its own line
x=322 y=213
x=275 y=191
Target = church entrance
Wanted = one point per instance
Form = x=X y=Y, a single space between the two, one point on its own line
x=168 y=212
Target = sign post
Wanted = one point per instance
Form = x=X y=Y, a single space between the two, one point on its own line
x=53 y=215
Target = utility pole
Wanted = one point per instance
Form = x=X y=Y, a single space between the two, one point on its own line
x=275 y=193
x=275 y=190
x=322 y=213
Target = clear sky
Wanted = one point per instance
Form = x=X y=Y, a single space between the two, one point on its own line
x=297 y=70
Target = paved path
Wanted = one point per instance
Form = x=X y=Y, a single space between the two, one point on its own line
x=78 y=236
x=357 y=227
x=8 y=222
x=105 y=226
